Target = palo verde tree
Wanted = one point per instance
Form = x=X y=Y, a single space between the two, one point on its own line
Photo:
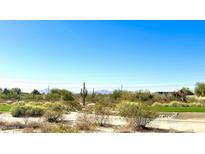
x=84 y=93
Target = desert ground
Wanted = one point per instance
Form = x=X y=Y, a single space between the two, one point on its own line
x=172 y=122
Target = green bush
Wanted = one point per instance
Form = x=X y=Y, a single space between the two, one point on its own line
x=18 y=111
x=72 y=106
x=127 y=109
x=27 y=111
x=35 y=111
x=55 y=106
x=138 y=113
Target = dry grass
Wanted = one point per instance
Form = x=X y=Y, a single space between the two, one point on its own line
x=85 y=122
x=11 y=125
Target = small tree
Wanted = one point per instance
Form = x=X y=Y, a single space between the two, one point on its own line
x=200 y=89
x=35 y=92
x=6 y=91
x=186 y=91
x=17 y=91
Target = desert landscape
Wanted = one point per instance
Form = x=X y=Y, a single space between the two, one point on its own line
x=112 y=76
x=60 y=111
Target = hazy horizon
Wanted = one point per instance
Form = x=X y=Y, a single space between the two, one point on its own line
x=147 y=55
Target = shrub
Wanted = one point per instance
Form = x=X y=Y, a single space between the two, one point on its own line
x=27 y=111
x=19 y=111
x=127 y=109
x=116 y=94
x=102 y=112
x=35 y=111
x=60 y=95
x=85 y=122
x=138 y=114
x=58 y=107
x=72 y=106
x=144 y=96
x=53 y=116
x=63 y=128
x=11 y=125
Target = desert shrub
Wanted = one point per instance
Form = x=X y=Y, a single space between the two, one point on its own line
x=18 y=111
x=11 y=125
x=33 y=125
x=144 y=96
x=127 y=109
x=53 y=116
x=85 y=122
x=35 y=111
x=60 y=95
x=27 y=111
x=72 y=106
x=116 y=94
x=55 y=106
x=46 y=127
x=139 y=115
x=54 y=112
x=63 y=128
x=102 y=111
x=89 y=108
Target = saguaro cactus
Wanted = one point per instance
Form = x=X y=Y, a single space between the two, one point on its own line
x=93 y=95
x=84 y=93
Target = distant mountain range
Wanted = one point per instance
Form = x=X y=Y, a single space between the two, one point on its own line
x=104 y=91
x=44 y=91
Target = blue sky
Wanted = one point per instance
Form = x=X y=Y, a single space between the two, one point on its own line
x=155 y=55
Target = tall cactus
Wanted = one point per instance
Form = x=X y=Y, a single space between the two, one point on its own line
x=84 y=93
x=93 y=95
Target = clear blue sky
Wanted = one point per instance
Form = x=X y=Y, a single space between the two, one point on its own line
x=155 y=55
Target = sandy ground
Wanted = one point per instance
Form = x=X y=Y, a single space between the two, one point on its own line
x=186 y=122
